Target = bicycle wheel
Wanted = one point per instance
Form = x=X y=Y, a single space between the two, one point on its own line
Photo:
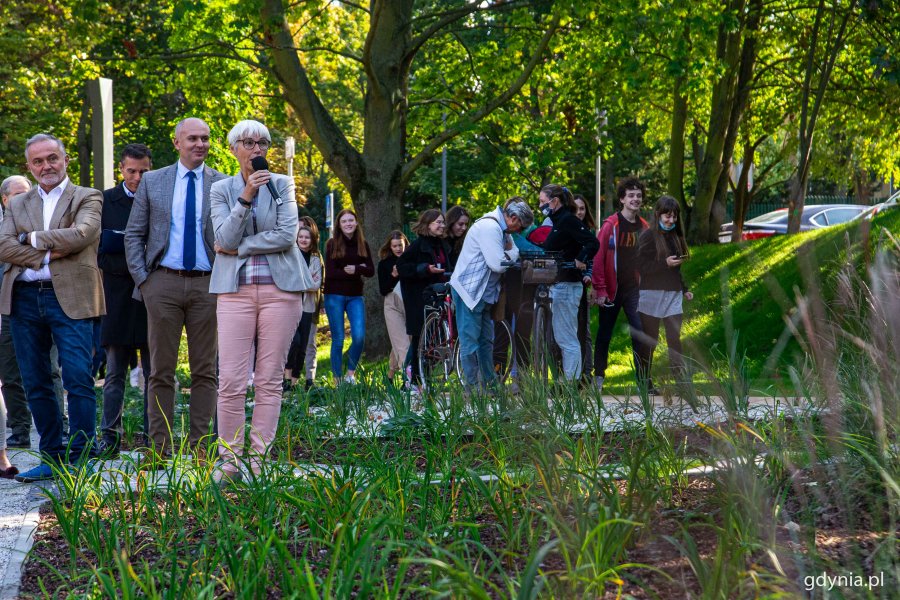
x=436 y=351
x=540 y=342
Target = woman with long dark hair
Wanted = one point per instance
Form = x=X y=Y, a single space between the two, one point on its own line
x=347 y=260
x=583 y=212
x=389 y=286
x=570 y=237
x=425 y=262
x=661 y=251
x=458 y=220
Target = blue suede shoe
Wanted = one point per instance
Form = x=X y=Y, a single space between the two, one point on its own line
x=42 y=472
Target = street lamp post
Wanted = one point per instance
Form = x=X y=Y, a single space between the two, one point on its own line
x=601 y=126
x=289 y=154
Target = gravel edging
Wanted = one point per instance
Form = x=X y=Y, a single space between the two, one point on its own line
x=9 y=585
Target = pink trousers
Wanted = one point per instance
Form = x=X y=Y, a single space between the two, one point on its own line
x=270 y=316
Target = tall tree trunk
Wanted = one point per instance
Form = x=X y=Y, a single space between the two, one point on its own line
x=816 y=78
x=730 y=97
x=377 y=176
x=862 y=191
x=728 y=45
x=675 y=179
x=743 y=196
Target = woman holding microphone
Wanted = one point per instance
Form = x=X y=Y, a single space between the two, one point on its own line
x=258 y=275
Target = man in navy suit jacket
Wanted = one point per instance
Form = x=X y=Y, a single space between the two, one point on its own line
x=123 y=329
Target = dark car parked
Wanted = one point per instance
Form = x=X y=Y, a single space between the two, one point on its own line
x=815 y=216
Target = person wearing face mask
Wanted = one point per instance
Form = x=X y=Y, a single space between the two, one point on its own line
x=583 y=212
x=347 y=260
x=570 y=237
x=394 y=312
x=662 y=250
x=615 y=273
x=425 y=262
x=457 y=224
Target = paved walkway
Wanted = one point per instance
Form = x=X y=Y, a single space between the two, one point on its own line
x=20 y=503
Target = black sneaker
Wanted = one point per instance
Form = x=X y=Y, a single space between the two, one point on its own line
x=18 y=441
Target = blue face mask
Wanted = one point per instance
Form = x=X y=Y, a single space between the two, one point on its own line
x=669 y=228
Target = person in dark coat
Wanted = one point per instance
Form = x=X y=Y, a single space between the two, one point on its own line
x=426 y=261
x=123 y=330
x=575 y=242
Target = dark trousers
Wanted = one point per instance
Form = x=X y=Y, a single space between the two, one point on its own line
x=297 y=351
x=18 y=415
x=626 y=300
x=118 y=359
x=650 y=339
x=519 y=313
x=37 y=320
x=175 y=303
x=584 y=336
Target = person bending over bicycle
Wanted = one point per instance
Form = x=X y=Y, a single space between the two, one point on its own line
x=572 y=238
x=476 y=286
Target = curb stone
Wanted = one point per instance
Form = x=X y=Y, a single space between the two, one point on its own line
x=9 y=585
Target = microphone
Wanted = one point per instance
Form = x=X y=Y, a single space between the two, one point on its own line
x=259 y=163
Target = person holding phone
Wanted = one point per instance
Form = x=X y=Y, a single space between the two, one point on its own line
x=424 y=262
x=661 y=251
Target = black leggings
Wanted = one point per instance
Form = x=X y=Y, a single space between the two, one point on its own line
x=297 y=352
x=650 y=339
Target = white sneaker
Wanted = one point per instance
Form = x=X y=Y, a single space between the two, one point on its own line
x=351 y=379
x=598 y=383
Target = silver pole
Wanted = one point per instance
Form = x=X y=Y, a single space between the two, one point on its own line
x=598 y=203
x=444 y=172
x=289 y=154
x=100 y=94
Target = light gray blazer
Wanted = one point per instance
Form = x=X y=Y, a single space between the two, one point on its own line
x=147 y=233
x=277 y=237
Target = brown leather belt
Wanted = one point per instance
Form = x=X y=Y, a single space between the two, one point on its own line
x=183 y=273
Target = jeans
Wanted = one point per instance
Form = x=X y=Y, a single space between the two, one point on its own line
x=117 y=361
x=626 y=300
x=36 y=319
x=11 y=385
x=476 y=342
x=335 y=306
x=566 y=296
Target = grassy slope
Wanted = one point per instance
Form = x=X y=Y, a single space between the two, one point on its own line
x=747 y=289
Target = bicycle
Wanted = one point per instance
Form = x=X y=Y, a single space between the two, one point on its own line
x=439 y=356
x=542 y=270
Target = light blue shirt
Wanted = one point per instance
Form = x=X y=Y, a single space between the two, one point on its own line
x=174 y=257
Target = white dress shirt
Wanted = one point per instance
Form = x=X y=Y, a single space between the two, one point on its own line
x=174 y=256
x=49 y=200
